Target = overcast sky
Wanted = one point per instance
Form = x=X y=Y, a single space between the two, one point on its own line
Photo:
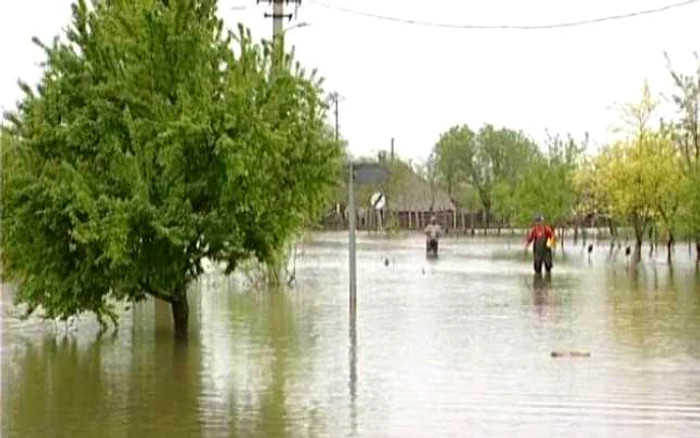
x=412 y=82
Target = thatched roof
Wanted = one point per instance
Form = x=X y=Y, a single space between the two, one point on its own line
x=405 y=191
x=417 y=195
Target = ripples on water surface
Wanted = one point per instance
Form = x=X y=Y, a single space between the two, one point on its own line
x=454 y=347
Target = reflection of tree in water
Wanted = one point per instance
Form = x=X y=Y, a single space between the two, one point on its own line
x=143 y=384
x=164 y=379
x=655 y=312
x=272 y=321
x=131 y=384
x=59 y=390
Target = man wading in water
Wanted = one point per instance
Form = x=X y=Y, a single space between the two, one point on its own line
x=432 y=234
x=543 y=238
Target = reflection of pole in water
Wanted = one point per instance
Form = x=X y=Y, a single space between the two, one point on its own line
x=352 y=380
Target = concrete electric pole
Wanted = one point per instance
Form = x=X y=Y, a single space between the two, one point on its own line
x=334 y=99
x=278 y=15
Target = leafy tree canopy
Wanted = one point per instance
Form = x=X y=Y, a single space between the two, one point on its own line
x=155 y=139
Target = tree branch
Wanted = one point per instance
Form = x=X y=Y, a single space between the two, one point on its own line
x=160 y=295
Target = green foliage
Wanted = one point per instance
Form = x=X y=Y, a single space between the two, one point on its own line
x=150 y=145
x=547 y=185
x=468 y=197
x=488 y=163
x=686 y=132
x=639 y=177
x=688 y=221
x=505 y=198
x=453 y=154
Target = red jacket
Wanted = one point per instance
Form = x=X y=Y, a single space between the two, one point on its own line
x=538 y=231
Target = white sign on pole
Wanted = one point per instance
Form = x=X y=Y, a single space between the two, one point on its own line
x=378 y=200
x=362 y=173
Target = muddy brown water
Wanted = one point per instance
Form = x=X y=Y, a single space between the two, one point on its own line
x=459 y=346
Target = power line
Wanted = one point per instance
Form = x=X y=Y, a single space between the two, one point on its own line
x=506 y=26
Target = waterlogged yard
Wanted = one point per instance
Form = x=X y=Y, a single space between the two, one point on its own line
x=459 y=346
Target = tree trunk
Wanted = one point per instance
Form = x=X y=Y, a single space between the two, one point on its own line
x=697 y=251
x=639 y=238
x=181 y=313
x=471 y=223
x=613 y=231
x=669 y=246
x=561 y=239
x=656 y=240
x=575 y=230
x=594 y=227
x=638 y=250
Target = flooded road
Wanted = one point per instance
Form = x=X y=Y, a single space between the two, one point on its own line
x=459 y=346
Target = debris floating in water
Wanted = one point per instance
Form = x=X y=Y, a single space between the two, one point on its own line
x=571 y=354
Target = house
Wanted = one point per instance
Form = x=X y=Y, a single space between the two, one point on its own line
x=415 y=200
x=410 y=202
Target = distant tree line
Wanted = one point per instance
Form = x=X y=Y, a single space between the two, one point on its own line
x=649 y=180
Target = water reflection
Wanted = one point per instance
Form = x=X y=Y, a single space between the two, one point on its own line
x=453 y=347
x=352 y=381
x=655 y=311
x=541 y=299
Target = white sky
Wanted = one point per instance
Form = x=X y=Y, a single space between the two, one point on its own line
x=413 y=82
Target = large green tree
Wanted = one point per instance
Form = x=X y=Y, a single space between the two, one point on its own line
x=687 y=140
x=640 y=175
x=546 y=185
x=501 y=157
x=452 y=154
x=488 y=162
x=154 y=140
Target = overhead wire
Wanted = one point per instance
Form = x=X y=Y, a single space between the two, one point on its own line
x=506 y=26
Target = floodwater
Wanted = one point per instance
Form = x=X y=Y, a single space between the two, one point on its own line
x=459 y=346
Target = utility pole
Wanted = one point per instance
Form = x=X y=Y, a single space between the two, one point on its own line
x=278 y=15
x=336 y=118
x=335 y=98
x=391 y=153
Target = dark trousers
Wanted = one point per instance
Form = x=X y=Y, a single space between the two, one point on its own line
x=543 y=259
x=431 y=246
x=542 y=256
